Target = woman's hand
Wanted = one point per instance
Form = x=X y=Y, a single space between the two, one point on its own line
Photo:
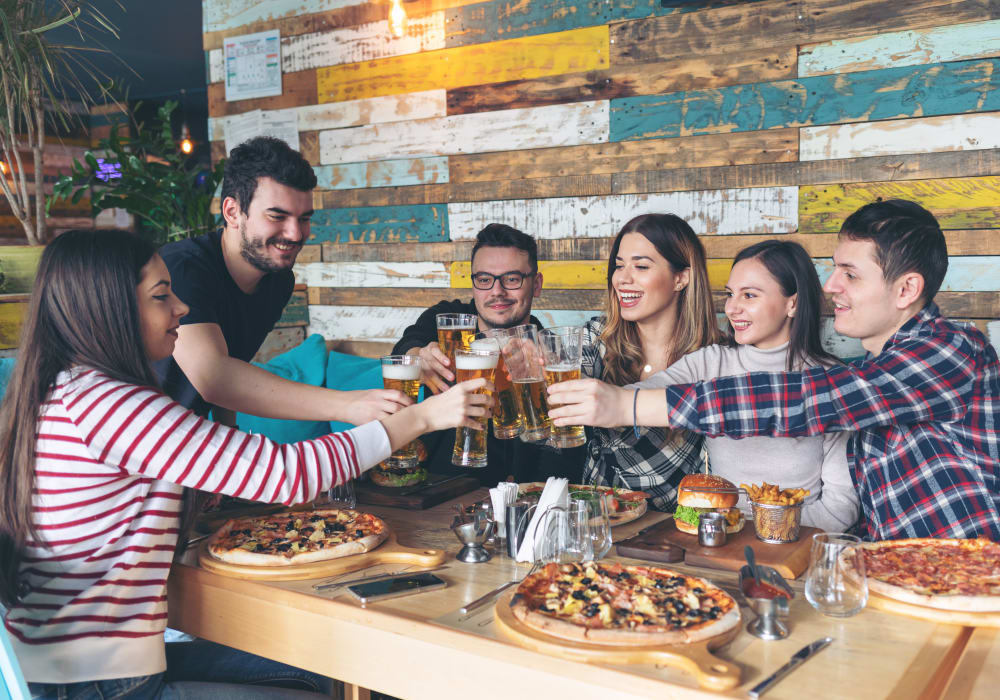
x=458 y=406
x=590 y=402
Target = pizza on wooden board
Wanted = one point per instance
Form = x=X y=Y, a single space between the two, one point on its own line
x=624 y=505
x=301 y=537
x=947 y=574
x=609 y=603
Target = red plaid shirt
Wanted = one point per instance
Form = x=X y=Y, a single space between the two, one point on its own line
x=926 y=456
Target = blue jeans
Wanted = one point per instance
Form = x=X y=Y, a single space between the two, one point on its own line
x=199 y=670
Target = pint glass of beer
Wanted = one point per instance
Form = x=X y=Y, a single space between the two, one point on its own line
x=470 y=444
x=506 y=417
x=402 y=372
x=455 y=331
x=562 y=348
x=522 y=358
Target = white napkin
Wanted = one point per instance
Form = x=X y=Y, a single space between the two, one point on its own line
x=502 y=496
x=556 y=493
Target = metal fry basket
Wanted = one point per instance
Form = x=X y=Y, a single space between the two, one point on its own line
x=776 y=524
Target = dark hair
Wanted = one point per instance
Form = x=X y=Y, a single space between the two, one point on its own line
x=907 y=238
x=503 y=236
x=790 y=265
x=83 y=311
x=264 y=156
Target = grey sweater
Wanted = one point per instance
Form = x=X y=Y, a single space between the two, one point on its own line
x=815 y=463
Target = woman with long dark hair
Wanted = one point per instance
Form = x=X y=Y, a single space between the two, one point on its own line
x=94 y=459
x=658 y=308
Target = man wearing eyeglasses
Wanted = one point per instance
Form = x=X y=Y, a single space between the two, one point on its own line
x=505 y=280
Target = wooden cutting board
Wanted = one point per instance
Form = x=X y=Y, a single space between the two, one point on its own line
x=438 y=489
x=662 y=542
x=948 y=617
x=710 y=671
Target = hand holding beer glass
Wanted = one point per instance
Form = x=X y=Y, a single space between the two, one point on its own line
x=523 y=359
x=562 y=349
x=506 y=417
x=470 y=444
x=402 y=372
x=454 y=331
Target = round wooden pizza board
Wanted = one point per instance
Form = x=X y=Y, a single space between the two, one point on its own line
x=948 y=617
x=710 y=671
x=389 y=552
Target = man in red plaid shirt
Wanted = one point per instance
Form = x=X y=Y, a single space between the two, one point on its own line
x=925 y=402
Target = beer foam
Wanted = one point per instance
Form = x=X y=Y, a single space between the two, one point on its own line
x=473 y=362
x=404 y=373
x=484 y=344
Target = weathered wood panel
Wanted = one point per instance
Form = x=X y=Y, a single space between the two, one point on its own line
x=17 y=268
x=500 y=61
x=582 y=274
x=297 y=90
x=335 y=274
x=912 y=91
x=966 y=273
x=712 y=212
x=372 y=323
x=962 y=202
x=375 y=110
x=12 y=316
x=778 y=145
x=745 y=26
x=296 y=311
x=220 y=15
x=383 y=173
x=957 y=42
x=278 y=341
x=961 y=132
x=513 y=129
x=392 y=224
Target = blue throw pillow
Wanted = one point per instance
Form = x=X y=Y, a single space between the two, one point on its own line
x=6 y=367
x=349 y=373
x=305 y=363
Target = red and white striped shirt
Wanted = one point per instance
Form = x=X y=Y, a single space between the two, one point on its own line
x=112 y=459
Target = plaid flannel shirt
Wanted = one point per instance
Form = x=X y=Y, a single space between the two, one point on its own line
x=644 y=464
x=926 y=457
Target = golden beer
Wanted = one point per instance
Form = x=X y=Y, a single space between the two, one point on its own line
x=455 y=331
x=470 y=444
x=533 y=409
x=402 y=373
x=571 y=435
x=506 y=421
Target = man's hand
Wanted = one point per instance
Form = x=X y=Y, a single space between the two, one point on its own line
x=375 y=404
x=459 y=405
x=435 y=372
x=590 y=402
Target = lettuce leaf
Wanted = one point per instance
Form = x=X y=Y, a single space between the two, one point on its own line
x=687 y=514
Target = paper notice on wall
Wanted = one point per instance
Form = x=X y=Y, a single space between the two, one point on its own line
x=281 y=124
x=252 y=65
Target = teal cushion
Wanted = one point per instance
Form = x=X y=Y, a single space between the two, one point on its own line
x=305 y=363
x=6 y=367
x=350 y=373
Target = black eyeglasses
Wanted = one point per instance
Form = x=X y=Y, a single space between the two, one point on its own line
x=508 y=280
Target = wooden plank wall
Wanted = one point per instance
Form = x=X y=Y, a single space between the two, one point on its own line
x=769 y=118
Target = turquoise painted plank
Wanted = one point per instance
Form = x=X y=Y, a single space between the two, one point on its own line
x=896 y=49
x=563 y=317
x=383 y=173
x=966 y=273
x=219 y=15
x=423 y=223
x=911 y=91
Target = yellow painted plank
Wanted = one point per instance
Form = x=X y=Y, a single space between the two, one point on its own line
x=17 y=267
x=495 y=62
x=958 y=202
x=11 y=321
x=584 y=274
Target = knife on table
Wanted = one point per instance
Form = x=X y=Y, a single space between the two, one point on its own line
x=798 y=658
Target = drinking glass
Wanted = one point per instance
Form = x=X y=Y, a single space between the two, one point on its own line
x=835 y=582
x=522 y=358
x=402 y=372
x=470 y=444
x=506 y=417
x=340 y=496
x=598 y=523
x=455 y=331
x=562 y=348
x=565 y=535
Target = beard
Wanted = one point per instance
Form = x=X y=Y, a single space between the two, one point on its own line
x=255 y=252
x=509 y=323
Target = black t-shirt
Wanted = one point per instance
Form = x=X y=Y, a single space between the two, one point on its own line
x=524 y=461
x=200 y=279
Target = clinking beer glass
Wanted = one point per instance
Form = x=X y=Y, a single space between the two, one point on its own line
x=562 y=348
x=455 y=331
x=506 y=416
x=522 y=358
x=402 y=373
x=470 y=444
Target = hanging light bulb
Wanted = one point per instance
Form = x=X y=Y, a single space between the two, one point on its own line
x=3 y=168
x=186 y=144
x=397 y=19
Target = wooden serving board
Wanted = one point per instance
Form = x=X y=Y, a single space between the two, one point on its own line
x=389 y=552
x=418 y=497
x=948 y=617
x=662 y=541
x=710 y=671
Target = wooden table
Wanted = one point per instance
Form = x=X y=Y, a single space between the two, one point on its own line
x=977 y=674
x=393 y=647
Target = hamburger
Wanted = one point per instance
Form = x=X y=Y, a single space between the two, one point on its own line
x=396 y=477
x=692 y=502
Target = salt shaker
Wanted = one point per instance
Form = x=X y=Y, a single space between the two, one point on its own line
x=712 y=530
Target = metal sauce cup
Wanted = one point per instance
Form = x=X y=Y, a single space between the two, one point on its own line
x=712 y=530
x=516 y=518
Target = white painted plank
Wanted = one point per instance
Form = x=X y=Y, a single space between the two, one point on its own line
x=220 y=15
x=709 y=212
x=375 y=323
x=833 y=342
x=963 y=132
x=216 y=66
x=506 y=130
x=966 y=273
x=956 y=42
x=373 y=110
x=382 y=173
x=994 y=332
x=335 y=274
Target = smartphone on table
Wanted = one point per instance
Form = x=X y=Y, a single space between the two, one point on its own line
x=395 y=587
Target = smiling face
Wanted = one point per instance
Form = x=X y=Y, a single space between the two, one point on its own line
x=757 y=308
x=644 y=282
x=160 y=311
x=274 y=227
x=499 y=307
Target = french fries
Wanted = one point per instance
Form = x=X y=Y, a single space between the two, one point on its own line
x=777 y=512
x=774 y=495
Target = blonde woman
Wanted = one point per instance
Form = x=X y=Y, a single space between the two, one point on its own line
x=659 y=308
